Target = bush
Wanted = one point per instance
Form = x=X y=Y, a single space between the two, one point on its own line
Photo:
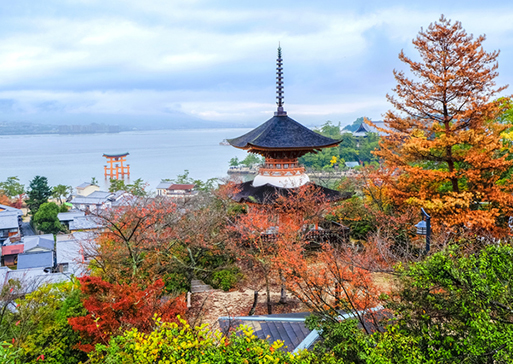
x=225 y=279
x=176 y=283
x=173 y=343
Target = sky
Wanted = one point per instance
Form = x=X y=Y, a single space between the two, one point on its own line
x=166 y=62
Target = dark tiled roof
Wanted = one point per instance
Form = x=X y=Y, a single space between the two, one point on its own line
x=282 y=132
x=292 y=333
x=267 y=194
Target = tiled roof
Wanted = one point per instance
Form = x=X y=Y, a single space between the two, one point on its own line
x=70 y=215
x=364 y=128
x=180 y=187
x=164 y=185
x=84 y=185
x=85 y=223
x=12 y=249
x=45 y=242
x=35 y=260
x=281 y=133
x=267 y=194
x=9 y=209
x=9 y=220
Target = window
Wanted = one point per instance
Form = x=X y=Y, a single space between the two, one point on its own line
x=286 y=166
x=278 y=166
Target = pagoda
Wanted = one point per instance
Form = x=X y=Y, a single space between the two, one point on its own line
x=115 y=167
x=281 y=141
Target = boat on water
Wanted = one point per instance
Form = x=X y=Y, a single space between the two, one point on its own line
x=224 y=142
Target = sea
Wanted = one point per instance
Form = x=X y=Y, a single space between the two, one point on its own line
x=71 y=159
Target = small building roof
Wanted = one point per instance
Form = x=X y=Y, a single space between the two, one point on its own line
x=83 y=185
x=35 y=260
x=44 y=242
x=9 y=220
x=290 y=328
x=164 y=185
x=282 y=133
x=70 y=215
x=352 y=164
x=4 y=209
x=100 y=194
x=85 y=223
x=180 y=187
x=364 y=128
x=12 y=249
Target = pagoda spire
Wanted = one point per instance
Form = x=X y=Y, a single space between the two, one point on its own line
x=279 y=84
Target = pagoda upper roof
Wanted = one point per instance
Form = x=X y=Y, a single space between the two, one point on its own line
x=282 y=133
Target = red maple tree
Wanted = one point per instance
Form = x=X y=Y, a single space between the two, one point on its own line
x=114 y=308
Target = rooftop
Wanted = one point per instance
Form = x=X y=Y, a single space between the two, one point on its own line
x=364 y=128
x=180 y=187
x=44 y=242
x=9 y=220
x=282 y=133
x=12 y=249
x=35 y=260
x=115 y=155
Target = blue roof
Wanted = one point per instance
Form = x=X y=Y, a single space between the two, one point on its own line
x=35 y=260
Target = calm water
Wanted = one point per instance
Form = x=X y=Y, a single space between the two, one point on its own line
x=154 y=155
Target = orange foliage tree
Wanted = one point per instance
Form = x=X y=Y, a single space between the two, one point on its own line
x=114 y=308
x=132 y=246
x=443 y=146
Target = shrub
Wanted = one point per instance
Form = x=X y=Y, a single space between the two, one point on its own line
x=225 y=279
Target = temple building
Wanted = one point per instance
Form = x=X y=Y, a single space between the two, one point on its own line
x=115 y=168
x=281 y=141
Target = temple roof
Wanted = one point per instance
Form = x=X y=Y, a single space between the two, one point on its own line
x=282 y=133
x=268 y=194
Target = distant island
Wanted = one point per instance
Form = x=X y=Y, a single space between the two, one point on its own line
x=11 y=128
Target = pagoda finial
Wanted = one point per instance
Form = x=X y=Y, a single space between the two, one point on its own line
x=279 y=84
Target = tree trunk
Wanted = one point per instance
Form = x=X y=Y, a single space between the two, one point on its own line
x=269 y=304
x=255 y=301
x=283 y=295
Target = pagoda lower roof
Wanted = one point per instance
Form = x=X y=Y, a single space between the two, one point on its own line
x=268 y=194
x=116 y=155
x=282 y=133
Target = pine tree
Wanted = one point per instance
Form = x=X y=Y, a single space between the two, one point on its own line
x=444 y=141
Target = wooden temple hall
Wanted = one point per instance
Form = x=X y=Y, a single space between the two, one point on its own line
x=115 y=167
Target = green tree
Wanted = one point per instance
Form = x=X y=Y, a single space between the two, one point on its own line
x=61 y=191
x=94 y=181
x=200 y=185
x=234 y=162
x=39 y=325
x=137 y=188
x=251 y=159
x=12 y=187
x=46 y=218
x=38 y=193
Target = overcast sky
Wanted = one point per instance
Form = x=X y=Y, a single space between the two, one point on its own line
x=163 y=60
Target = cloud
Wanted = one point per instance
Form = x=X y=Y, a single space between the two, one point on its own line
x=217 y=60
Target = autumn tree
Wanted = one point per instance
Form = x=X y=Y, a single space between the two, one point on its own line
x=113 y=308
x=443 y=141
x=134 y=238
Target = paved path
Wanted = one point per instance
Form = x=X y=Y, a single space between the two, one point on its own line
x=26 y=229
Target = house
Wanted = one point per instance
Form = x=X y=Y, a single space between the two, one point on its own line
x=30 y=279
x=10 y=222
x=38 y=252
x=10 y=254
x=99 y=200
x=71 y=253
x=85 y=189
x=88 y=222
x=66 y=217
x=178 y=191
